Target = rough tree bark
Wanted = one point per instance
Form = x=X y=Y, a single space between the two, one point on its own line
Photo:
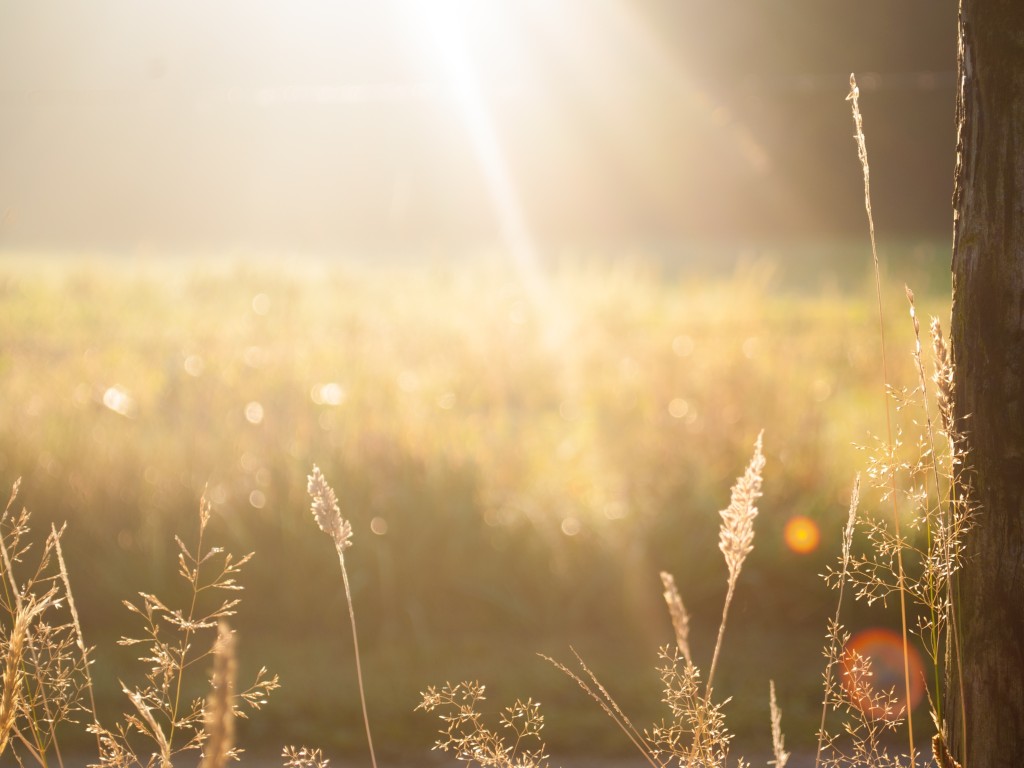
x=988 y=349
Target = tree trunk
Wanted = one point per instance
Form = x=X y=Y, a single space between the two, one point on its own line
x=988 y=350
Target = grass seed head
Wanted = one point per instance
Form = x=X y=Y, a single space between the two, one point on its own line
x=736 y=536
x=326 y=511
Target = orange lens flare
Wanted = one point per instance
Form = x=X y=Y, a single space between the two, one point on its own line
x=873 y=674
x=801 y=534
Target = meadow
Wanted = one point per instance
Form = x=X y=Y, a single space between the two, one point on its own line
x=519 y=457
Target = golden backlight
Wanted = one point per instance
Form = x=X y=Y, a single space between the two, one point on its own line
x=398 y=124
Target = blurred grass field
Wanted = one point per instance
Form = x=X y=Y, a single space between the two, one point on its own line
x=519 y=458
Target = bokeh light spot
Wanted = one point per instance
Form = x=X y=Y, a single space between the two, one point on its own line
x=261 y=304
x=248 y=462
x=821 y=390
x=801 y=534
x=678 y=408
x=119 y=401
x=379 y=526
x=571 y=526
x=883 y=650
x=331 y=393
x=218 y=494
x=194 y=365
x=254 y=413
x=257 y=499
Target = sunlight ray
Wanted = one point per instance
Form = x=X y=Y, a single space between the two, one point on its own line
x=446 y=33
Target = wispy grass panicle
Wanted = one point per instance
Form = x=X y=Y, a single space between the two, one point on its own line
x=778 y=741
x=942 y=375
x=736 y=536
x=695 y=736
x=677 y=612
x=516 y=743
x=161 y=714
x=326 y=511
x=957 y=517
x=590 y=685
x=304 y=757
x=862 y=154
x=328 y=517
x=14 y=653
x=79 y=638
x=52 y=674
x=836 y=638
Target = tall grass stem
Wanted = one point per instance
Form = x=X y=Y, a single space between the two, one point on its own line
x=833 y=650
x=355 y=648
x=79 y=638
x=862 y=153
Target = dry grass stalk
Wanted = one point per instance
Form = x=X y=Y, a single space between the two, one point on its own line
x=52 y=677
x=936 y=593
x=608 y=705
x=696 y=735
x=941 y=752
x=161 y=715
x=326 y=512
x=736 y=536
x=677 y=612
x=466 y=734
x=327 y=515
x=953 y=519
x=14 y=676
x=149 y=725
x=303 y=757
x=778 y=741
x=862 y=154
x=832 y=651
x=955 y=516
x=220 y=705
x=942 y=375
x=79 y=639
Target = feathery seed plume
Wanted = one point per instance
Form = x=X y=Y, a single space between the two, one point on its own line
x=943 y=376
x=736 y=536
x=326 y=511
x=14 y=676
x=778 y=742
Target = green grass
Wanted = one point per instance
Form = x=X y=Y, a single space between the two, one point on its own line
x=479 y=427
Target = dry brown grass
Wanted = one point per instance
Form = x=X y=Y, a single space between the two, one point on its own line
x=328 y=516
x=220 y=704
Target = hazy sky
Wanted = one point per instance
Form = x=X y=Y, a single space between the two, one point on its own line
x=405 y=124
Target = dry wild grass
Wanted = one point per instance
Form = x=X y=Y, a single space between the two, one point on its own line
x=45 y=675
x=466 y=734
x=161 y=716
x=858 y=718
x=328 y=517
x=47 y=683
x=694 y=735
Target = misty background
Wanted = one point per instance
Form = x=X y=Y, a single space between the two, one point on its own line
x=323 y=127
